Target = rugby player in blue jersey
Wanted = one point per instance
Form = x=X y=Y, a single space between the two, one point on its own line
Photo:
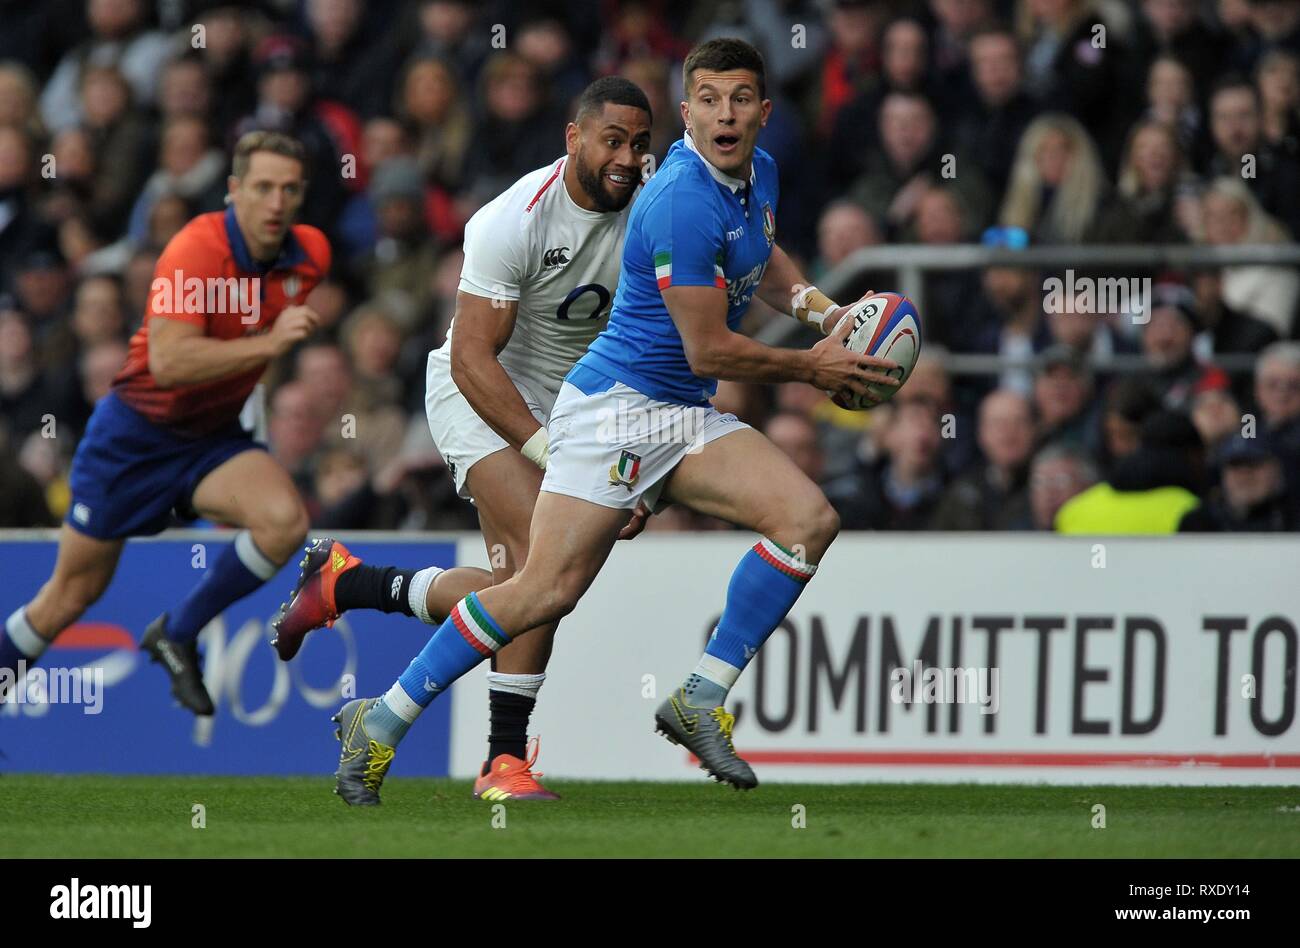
x=700 y=243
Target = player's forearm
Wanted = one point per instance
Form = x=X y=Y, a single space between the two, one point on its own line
x=736 y=358
x=193 y=360
x=776 y=289
x=493 y=396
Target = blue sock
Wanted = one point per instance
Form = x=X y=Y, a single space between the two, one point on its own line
x=19 y=642
x=466 y=637
x=763 y=589
x=240 y=569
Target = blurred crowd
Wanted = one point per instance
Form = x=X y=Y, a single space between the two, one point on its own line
x=938 y=122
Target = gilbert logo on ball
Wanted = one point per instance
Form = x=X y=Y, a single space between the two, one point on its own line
x=885 y=325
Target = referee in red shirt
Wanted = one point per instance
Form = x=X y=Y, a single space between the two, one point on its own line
x=166 y=441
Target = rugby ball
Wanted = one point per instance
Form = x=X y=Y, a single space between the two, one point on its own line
x=885 y=325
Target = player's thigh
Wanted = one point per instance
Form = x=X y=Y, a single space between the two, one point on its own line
x=568 y=544
x=745 y=479
x=504 y=486
x=251 y=490
x=85 y=564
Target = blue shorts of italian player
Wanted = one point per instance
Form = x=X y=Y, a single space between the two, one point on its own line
x=131 y=477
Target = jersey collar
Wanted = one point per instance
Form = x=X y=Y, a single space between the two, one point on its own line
x=291 y=252
x=734 y=184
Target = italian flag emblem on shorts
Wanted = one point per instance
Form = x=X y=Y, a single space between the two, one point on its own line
x=626 y=471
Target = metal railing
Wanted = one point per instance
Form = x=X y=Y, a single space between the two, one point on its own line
x=911 y=263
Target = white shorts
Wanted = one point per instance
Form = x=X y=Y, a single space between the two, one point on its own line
x=461 y=436
x=617 y=447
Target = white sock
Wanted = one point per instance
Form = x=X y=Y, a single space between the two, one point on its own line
x=417 y=594
x=24 y=637
x=526 y=685
x=253 y=558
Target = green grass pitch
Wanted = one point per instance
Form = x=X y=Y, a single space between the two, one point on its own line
x=96 y=816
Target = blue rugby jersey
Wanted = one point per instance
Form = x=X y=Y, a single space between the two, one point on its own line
x=693 y=225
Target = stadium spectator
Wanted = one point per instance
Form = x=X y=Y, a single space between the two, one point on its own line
x=904 y=68
x=897 y=485
x=1275 y=25
x=853 y=58
x=993 y=495
x=517 y=132
x=1057 y=474
x=1171 y=102
x=397 y=268
x=1217 y=416
x=1174 y=28
x=1252 y=495
x=941 y=219
x=1006 y=319
x=430 y=99
x=1152 y=174
x=120 y=138
x=120 y=40
x=18 y=99
x=1241 y=152
x=1150 y=490
x=188 y=167
x=1076 y=62
x=1057 y=183
x=909 y=159
x=1129 y=402
x=796 y=435
x=185 y=90
x=22 y=501
x=991 y=126
x=1277 y=394
x=1175 y=372
x=1278 y=80
x=959 y=24
x=1231 y=215
x=1063 y=389
x=285 y=103
x=295 y=431
x=843 y=229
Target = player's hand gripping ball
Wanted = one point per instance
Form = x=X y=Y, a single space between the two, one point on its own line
x=885 y=325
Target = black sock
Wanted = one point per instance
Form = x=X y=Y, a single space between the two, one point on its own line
x=374 y=587
x=508 y=733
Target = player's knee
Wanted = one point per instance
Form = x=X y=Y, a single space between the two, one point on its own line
x=560 y=597
x=285 y=518
x=825 y=524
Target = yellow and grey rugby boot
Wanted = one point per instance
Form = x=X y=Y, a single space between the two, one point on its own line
x=706 y=733
x=363 y=761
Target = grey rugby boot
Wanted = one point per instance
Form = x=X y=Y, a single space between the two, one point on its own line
x=706 y=733
x=363 y=762
x=181 y=662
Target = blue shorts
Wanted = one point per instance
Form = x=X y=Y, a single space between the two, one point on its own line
x=130 y=476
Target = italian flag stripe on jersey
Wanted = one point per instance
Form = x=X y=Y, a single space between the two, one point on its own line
x=778 y=556
x=719 y=277
x=476 y=627
x=664 y=269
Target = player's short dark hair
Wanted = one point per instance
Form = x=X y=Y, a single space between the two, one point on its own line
x=722 y=55
x=277 y=143
x=614 y=90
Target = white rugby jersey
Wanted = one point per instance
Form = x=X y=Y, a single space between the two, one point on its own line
x=561 y=262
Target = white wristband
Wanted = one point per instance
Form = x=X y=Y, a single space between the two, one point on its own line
x=537 y=448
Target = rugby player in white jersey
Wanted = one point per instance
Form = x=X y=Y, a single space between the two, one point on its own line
x=541 y=269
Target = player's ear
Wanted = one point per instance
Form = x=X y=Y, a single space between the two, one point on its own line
x=572 y=135
x=766 y=111
x=232 y=185
x=686 y=115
